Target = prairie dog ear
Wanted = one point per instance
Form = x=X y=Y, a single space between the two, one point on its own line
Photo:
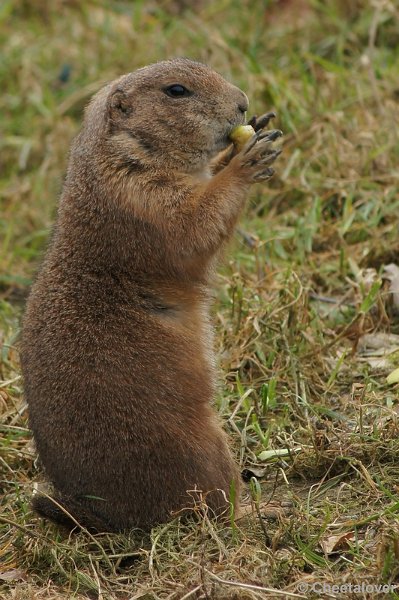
x=119 y=106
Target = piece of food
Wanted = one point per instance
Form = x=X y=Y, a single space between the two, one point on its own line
x=241 y=134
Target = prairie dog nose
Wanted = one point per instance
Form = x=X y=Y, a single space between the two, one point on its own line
x=243 y=103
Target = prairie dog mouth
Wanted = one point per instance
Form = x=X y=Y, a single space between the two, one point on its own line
x=225 y=140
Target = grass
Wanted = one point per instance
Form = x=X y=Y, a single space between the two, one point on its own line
x=302 y=392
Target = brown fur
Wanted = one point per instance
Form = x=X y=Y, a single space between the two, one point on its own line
x=117 y=346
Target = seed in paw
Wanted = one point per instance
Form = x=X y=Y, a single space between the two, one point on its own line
x=241 y=134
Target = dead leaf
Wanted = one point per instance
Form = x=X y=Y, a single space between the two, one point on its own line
x=272 y=510
x=364 y=277
x=12 y=575
x=379 y=341
x=391 y=273
x=256 y=472
x=377 y=364
x=367 y=277
x=377 y=350
x=336 y=543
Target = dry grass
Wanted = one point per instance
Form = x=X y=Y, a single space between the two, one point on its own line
x=301 y=287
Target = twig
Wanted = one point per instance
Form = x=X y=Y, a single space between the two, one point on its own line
x=99 y=592
x=189 y=594
x=328 y=300
x=293 y=302
x=336 y=339
x=10 y=381
x=249 y=586
x=153 y=548
x=32 y=534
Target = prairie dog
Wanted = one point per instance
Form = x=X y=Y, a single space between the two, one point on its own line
x=116 y=344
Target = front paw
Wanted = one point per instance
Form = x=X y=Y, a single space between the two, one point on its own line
x=261 y=122
x=254 y=160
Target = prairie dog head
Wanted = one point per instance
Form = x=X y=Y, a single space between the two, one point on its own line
x=176 y=114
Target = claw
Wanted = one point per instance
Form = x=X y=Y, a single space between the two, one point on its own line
x=269 y=157
x=263 y=120
x=268 y=172
x=272 y=135
x=251 y=142
x=252 y=121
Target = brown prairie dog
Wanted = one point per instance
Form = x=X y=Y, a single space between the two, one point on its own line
x=116 y=346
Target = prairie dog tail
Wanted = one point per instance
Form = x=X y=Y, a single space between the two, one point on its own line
x=68 y=512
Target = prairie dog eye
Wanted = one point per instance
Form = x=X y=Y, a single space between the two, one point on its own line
x=177 y=91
